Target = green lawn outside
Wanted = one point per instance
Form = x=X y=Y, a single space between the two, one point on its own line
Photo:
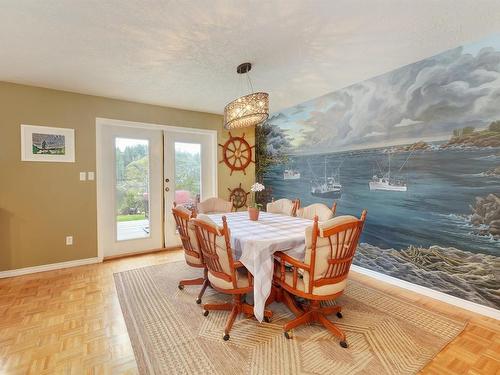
x=130 y=217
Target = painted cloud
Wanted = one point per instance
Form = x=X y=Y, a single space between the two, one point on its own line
x=425 y=100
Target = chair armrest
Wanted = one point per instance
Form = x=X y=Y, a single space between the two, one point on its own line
x=294 y=262
x=297 y=265
x=238 y=264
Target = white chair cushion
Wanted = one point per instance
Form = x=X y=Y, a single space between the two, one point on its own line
x=194 y=245
x=281 y=206
x=324 y=290
x=214 y=206
x=220 y=244
x=241 y=281
x=323 y=212
x=323 y=251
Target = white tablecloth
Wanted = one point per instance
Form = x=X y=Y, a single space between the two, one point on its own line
x=254 y=243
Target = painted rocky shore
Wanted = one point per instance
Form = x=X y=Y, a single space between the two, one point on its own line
x=486 y=216
x=466 y=275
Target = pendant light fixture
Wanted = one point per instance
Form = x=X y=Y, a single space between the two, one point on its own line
x=247 y=110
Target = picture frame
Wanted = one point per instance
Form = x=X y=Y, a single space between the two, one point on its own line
x=47 y=144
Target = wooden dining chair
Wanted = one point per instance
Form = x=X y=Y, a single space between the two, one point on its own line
x=224 y=273
x=322 y=211
x=192 y=253
x=214 y=206
x=281 y=206
x=322 y=276
x=296 y=206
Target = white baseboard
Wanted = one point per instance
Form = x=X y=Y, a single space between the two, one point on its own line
x=48 y=267
x=440 y=296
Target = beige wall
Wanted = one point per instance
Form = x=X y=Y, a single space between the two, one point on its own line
x=41 y=203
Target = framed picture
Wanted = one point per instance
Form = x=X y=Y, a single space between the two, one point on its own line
x=44 y=143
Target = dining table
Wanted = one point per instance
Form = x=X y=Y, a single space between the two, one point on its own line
x=254 y=243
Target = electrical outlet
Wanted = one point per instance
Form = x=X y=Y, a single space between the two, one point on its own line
x=69 y=240
x=83 y=176
x=90 y=176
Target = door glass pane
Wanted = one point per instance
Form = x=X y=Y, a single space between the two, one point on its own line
x=132 y=188
x=187 y=173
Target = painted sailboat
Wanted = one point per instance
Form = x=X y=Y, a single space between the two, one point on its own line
x=388 y=182
x=328 y=186
x=291 y=174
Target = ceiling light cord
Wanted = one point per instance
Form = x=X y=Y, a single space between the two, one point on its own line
x=250 y=82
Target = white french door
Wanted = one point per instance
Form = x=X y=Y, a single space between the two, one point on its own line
x=190 y=173
x=142 y=170
x=131 y=190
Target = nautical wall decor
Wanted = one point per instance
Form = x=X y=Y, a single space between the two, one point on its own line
x=238 y=196
x=237 y=153
x=419 y=148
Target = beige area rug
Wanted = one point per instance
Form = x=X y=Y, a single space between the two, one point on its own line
x=169 y=334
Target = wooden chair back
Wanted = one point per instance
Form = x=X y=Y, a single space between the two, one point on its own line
x=182 y=216
x=215 y=246
x=296 y=206
x=332 y=250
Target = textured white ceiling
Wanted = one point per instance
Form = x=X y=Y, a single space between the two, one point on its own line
x=184 y=53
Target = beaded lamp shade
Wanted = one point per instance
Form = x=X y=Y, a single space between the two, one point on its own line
x=247 y=110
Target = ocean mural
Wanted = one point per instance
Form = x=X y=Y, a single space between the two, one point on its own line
x=419 y=148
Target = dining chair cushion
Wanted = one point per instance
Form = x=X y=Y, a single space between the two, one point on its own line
x=192 y=238
x=241 y=281
x=323 y=250
x=303 y=285
x=214 y=206
x=221 y=250
x=281 y=206
x=194 y=245
x=206 y=219
x=183 y=209
x=323 y=212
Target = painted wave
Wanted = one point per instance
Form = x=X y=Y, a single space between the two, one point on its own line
x=473 y=277
x=489 y=157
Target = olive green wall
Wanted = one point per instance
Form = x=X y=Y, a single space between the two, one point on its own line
x=42 y=203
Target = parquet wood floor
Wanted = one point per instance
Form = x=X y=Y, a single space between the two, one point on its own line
x=70 y=322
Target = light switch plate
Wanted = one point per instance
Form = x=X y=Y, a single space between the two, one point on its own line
x=90 y=176
x=83 y=176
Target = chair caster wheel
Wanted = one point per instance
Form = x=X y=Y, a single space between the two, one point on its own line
x=180 y=286
x=267 y=319
x=288 y=335
x=225 y=337
x=205 y=313
x=343 y=344
x=198 y=300
x=339 y=315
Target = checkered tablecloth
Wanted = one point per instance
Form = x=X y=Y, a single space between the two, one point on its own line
x=254 y=243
